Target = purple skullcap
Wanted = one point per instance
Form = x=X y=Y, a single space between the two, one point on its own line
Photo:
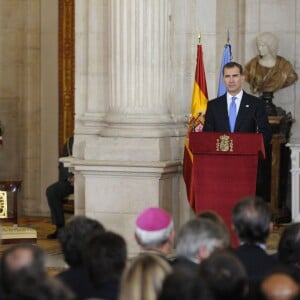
x=153 y=219
x=153 y=224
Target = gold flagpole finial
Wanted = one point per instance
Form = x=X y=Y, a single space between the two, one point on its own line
x=228 y=37
x=199 y=38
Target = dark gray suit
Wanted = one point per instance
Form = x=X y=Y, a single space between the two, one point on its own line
x=252 y=116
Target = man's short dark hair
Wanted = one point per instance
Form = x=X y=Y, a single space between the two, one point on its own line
x=225 y=275
x=184 y=284
x=105 y=257
x=73 y=236
x=233 y=64
x=289 y=245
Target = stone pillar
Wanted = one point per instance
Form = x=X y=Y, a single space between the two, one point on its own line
x=295 y=175
x=139 y=45
x=135 y=160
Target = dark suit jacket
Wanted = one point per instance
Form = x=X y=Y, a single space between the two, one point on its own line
x=255 y=260
x=183 y=263
x=252 y=116
x=107 y=291
x=64 y=173
x=257 y=263
x=78 y=281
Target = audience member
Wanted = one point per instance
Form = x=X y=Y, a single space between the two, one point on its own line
x=201 y=270
x=43 y=289
x=289 y=249
x=279 y=286
x=225 y=276
x=57 y=191
x=26 y=259
x=216 y=218
x=105 y=258
x=143 y=278
x=72 y=239
x=196 y=240
x=184 y=284
x=154 y=231
x=252 y=223
x=24 y=275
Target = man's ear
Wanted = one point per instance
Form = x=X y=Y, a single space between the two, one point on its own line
x=137 y=239
x=242 y=78
x=171 y=237
x=271 y=226
x=202 y=253
x=233 y=228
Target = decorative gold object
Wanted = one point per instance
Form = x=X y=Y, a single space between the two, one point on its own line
x=224 y=143
x=3 y=204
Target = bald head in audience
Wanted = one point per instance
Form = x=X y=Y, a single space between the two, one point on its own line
x=24 y=275
x=279 y=286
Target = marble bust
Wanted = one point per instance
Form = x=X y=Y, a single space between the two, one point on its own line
x=268 y=72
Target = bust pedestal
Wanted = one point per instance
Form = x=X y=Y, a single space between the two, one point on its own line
x=278 y=161
x=270 y=107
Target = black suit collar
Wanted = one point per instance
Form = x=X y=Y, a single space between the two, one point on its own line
x=244 y=110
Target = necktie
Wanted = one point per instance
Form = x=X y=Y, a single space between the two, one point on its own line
x=232 y=114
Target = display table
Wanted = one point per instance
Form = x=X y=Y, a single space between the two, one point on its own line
x=224 y=170
x=13 y=235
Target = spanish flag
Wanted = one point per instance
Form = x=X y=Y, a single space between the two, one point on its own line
x=196 y=122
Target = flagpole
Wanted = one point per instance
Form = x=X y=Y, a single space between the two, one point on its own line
x=228 y=37
x=227 y=57
x=196 y=122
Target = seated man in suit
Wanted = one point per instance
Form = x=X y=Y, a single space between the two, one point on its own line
x=154 y=231
x=251 y=218
x=24 y=275
x=279 y=285
x=197 y=239
x=72 y=238
x=105 y=257
x=225 y=276
x=57 y=191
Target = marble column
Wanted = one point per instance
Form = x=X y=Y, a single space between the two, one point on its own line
x=135 y=160
x=295 y=175
x=139 y=66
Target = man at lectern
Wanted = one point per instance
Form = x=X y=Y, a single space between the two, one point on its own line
x=237 y=111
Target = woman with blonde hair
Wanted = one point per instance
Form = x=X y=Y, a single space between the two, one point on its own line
x=144 y=277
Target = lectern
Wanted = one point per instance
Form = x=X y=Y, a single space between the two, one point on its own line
x=224 y=169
